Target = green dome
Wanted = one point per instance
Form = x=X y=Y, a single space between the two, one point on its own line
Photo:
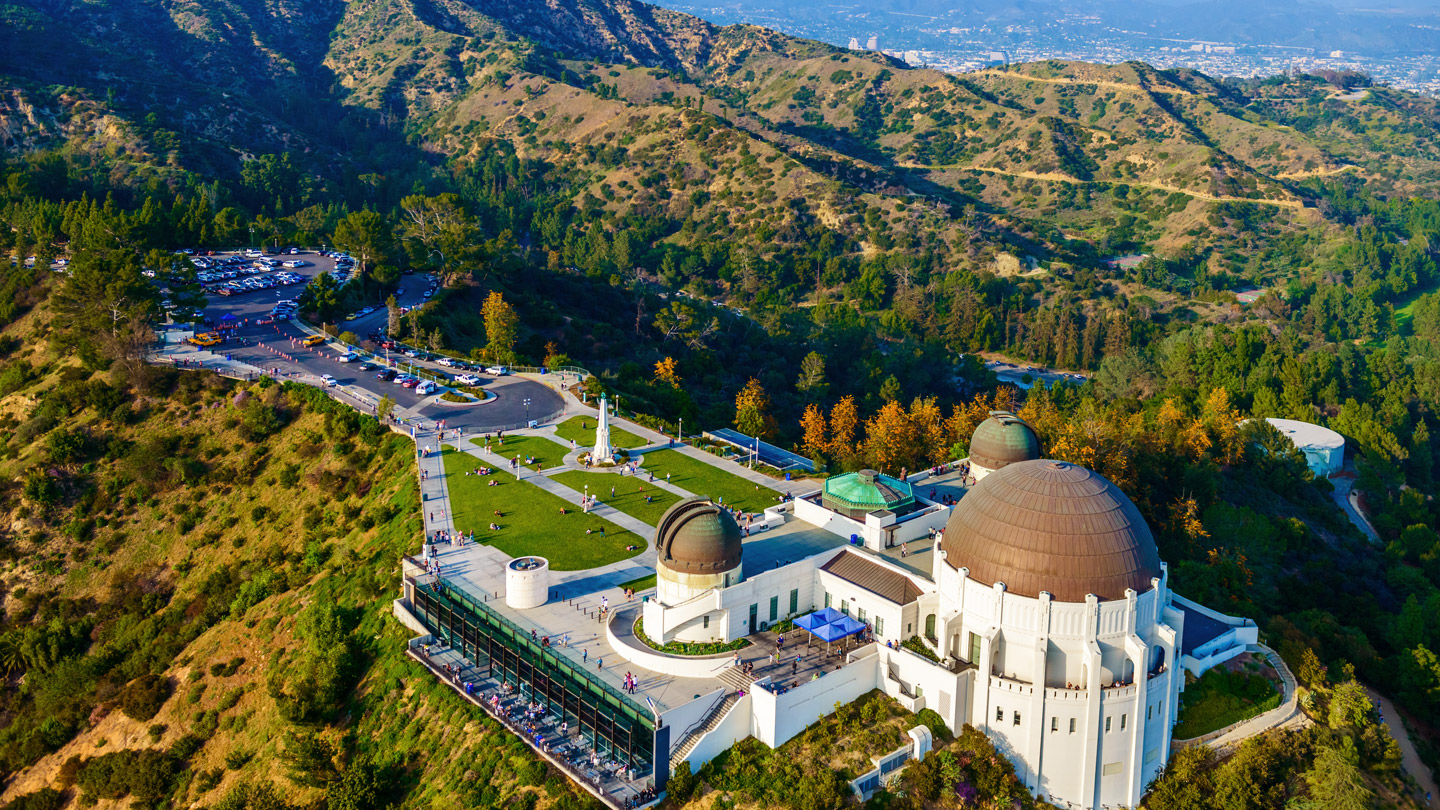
x=1003 y=439
x=857 y=494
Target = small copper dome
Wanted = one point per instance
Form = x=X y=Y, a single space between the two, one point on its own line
x=1051 y=526
x=1003 y=439
x=696 y=536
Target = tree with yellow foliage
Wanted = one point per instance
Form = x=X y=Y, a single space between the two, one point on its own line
x=666 y=371
x=844 y=419
x=812 y=426
x=752 y=410
x=890 y=438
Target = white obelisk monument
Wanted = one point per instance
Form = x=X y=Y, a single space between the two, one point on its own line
x=603 y=453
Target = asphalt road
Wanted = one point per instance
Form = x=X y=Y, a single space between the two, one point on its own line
x=276 y=346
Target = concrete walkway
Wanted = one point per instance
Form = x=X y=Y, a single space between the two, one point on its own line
x=1348 y=501
x=1409 y=757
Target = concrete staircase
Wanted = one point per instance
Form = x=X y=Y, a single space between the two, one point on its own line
x=734 y=678
x=696 y=732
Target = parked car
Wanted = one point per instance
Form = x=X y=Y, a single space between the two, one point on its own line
x=349 y=358
x=426 y=388
x=314 y=340
x=386 y=375
x=366 y=367
x=468 y=379
x=330 y=382
x=498 y=371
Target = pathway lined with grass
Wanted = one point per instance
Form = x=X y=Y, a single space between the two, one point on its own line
x=630 y=493
x=705 y=479
x=547 y=454
x=531 y=520
x=581 y=429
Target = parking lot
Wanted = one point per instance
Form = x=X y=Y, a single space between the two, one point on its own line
x=256 y=340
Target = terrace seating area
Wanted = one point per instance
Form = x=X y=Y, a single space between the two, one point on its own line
x=563 y=745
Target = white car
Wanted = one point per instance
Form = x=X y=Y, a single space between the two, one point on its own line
x=329 y=380
x=445 y=361
x=468 y=379
x=349 y=358
x=426 y=388
x=498 y=371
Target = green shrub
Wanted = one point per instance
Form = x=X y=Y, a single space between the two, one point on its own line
x=142 y=698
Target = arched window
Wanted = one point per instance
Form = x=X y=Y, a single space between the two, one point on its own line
x=930 y=627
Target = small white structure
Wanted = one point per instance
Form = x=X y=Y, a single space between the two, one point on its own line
x=603 y=452
x=527 y=582
x=1324 y=449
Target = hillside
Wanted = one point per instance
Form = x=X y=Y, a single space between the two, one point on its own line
x=196 y=585
x=748 y=129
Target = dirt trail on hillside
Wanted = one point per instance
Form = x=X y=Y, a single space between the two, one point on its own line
x=1056 y=177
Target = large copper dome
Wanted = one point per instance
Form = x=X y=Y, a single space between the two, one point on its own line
x=696 y=536
x=1051 y=526
x=1003 y=439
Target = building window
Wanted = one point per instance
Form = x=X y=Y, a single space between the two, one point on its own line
x=999 y=715
x=1111 y=768
x=845 y=606
x=1122 y=721
x=1107 y=724
x=705 y=622
x=1072 y=725
x=974 y=648
x=1148 y=710
x=827 y=599
x=879 y=626
x=774 y=608
x=1054 y=724
x=930 y=627
x=1017 y=719
x=860 y=615
x=794 y=601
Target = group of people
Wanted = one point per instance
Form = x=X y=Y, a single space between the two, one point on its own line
x=481 y=471
x=631 y=683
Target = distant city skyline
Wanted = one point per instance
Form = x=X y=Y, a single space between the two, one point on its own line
x=1403 y=53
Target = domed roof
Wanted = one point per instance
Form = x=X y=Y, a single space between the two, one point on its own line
x=1003 y=439
x=867 y=491
x=1051 y=526
x=695 y=536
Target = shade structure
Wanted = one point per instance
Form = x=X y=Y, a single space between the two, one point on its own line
x=838 y=629
x=229 y=316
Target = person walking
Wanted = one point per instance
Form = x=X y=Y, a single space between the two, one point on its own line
x=584 y=655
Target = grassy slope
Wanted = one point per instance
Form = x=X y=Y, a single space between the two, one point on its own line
x=332 y=535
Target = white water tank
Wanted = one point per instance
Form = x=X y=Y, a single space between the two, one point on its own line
x=527 y=582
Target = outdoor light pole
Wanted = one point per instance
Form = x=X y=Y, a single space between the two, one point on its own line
x=680 y=433
x=527 y=410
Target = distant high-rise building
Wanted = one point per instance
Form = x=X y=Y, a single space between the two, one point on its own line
x=873 y=43
x=854 y=44
x=912 y=57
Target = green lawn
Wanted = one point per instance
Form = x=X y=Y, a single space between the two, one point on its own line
x=1220 y=698
x=644 y=583
x=585 y=436
x=530 y=520
x=630 y=493
x=705 y=479
x=543 y=450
